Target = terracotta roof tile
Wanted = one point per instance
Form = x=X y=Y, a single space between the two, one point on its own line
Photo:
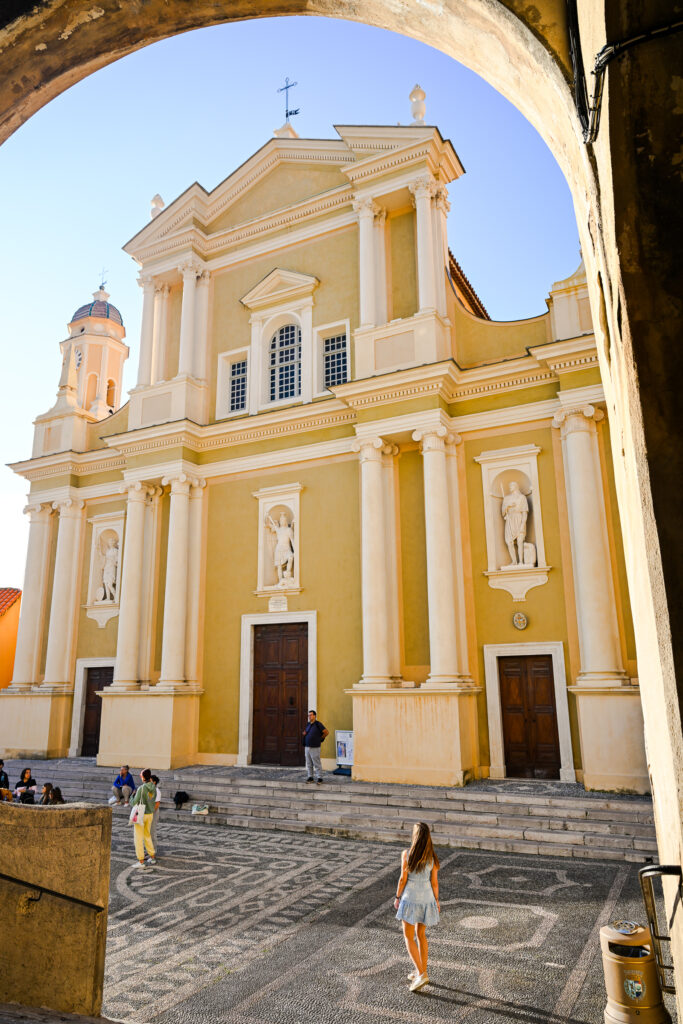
x=8 y=595
x=459 y=278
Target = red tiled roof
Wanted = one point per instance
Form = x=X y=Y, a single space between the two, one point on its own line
x=472 y=299
x=8 y=595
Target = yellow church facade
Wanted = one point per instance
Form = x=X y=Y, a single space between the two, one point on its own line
x=337 y=484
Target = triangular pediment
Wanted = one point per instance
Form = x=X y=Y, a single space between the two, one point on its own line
x=278 y=287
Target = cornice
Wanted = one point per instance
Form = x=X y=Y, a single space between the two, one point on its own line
x=286 y=217
x=67 y=462
x=446 y=380
x=198 y=438
x=567 y=355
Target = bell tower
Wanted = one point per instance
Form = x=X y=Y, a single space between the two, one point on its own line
x=93 y=355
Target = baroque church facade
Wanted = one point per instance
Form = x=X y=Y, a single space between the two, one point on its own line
x=337 y=484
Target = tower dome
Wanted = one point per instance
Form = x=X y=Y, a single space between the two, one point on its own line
x=100 y=308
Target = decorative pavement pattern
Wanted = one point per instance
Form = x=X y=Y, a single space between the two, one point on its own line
x=242 y=927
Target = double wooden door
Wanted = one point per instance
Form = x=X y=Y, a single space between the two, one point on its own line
x=280 y=693
x=527 y=698
x=96 y=679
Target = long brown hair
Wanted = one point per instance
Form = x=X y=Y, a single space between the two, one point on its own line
x=421 y=850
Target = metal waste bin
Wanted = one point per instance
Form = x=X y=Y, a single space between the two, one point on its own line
x=631 y=979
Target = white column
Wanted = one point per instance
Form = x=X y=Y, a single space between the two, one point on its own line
x=423 y=190
x=376 y=658
x=599 y=646
x=202 y=326
x=443 y=651
x=196 y=516
x=160 y=323
x=146 y=282
x=307 y=354
x=128 y=641
x=458 y=558
x=64 y=594
x=389 y=453
x=186 y=358
x=31 y=617
x=440 y=209
x=175 y=600
x=366 y=209
x=149 y=571
x=381 y=311
x=255 y=365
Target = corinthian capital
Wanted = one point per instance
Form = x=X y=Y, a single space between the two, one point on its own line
x=365 y=206
x=435 y=439
x=580 y=418
x=423 y=187
x=369 y=448
x=190 y=268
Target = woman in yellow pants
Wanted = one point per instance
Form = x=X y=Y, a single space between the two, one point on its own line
x=146 y=794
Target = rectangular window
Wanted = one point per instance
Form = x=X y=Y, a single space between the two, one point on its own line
x=238 y=386
x=334 y=361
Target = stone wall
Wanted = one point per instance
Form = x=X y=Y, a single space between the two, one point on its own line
x=54 y=894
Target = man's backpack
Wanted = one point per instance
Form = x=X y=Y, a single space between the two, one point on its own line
x=180 y=798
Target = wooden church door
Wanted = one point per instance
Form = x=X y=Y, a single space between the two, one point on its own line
x=280 y=693
x=527 y=698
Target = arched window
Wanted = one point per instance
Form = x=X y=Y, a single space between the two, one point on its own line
x=111 y=393
x=284 y=364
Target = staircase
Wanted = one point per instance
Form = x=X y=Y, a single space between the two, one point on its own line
x=483 y=817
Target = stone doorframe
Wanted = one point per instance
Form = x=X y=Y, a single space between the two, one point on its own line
x=492 y=652
x=246 y=710
x=78 y=709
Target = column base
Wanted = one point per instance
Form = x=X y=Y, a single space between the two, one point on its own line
x=420 y=736
x=439 y=682
x=593 y=679
x=377 y=683
x=35 y=724
x=151 y=728
x=124 y=685
x=612 y=742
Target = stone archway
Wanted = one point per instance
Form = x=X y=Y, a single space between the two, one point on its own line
x=626 y=189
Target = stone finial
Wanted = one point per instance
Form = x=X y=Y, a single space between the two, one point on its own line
x=285 y=132
x=157 y=204
x=417 y=105
x=100 y=295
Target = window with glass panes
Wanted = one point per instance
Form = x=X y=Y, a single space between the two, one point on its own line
x=285 y=363
x=238 y=386
x=334 y=361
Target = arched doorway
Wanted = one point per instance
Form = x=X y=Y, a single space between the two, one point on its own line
x=625 y=190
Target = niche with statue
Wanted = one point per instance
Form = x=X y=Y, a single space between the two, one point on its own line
x=512 y=513
x=278 y=555
x=105 y=567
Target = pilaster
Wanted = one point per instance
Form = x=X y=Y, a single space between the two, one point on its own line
x=32 y=615
x=128 y=641
x=63 y=607
x=146 y=282
x=423 y=190
x=366 y=209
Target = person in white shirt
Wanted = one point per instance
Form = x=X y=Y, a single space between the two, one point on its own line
x=155 y=819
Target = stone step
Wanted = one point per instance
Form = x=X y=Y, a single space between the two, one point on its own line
x=570 y=826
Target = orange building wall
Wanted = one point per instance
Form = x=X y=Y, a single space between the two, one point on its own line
x=9 y=624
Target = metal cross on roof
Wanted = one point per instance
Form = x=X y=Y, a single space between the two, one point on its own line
x=285 y=89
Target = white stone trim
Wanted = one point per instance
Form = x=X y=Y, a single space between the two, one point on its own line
x=494 y=712
x=225 y=361
x=268 y=499
x=102 y=611
x=319 y=334
x=246 y=709
x=78 y=709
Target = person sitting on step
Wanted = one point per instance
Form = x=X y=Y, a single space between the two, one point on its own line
x=25 y=789
x=124 y=785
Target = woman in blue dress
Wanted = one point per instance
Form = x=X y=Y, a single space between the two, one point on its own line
x=417 y=900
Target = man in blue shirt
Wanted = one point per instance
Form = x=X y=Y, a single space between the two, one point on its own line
x=314 y=733
x=124 y=785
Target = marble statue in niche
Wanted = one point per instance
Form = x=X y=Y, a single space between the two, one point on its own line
x=107 y=571
x=282 y=533
x=515 y=511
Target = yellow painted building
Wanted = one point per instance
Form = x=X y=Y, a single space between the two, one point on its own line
x=336 y=484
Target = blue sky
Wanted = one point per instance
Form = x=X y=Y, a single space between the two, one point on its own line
x=78 y=177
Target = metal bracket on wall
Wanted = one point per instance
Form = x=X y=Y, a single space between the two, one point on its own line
x=646 y=875
x=589 y=113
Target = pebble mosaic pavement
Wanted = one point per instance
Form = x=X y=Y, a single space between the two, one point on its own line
x=240 y=927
